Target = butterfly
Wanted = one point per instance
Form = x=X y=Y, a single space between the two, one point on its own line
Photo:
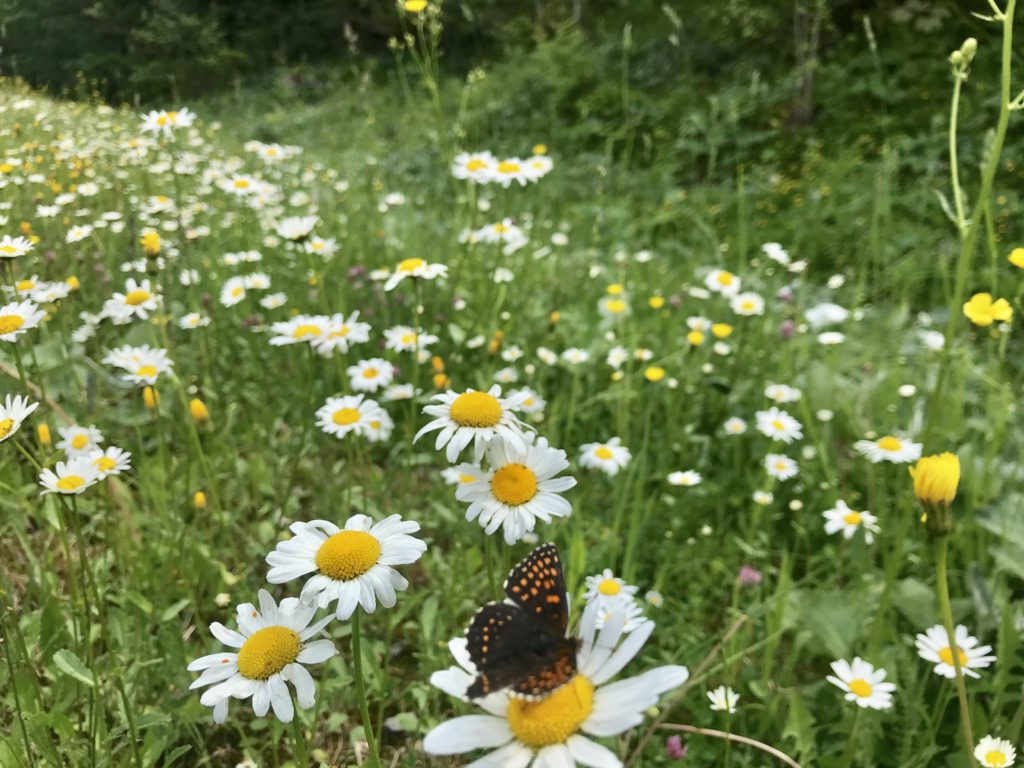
x=521 y=643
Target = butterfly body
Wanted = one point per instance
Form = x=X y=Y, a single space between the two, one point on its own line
x=521 y=643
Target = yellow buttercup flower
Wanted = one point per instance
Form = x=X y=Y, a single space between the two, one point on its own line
x=199 y=500
x=935 y=482
x=981 y=310
x=1017 y=257
x=656 y=302
x=696 y=338
x=43 y=430
x=721 y=330
x=415 y=6
x=198 y=410
x=150 y=242
x=654 y=373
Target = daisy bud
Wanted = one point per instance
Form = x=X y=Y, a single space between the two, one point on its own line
x=935 y=483
x=199 y=500
x=437 y=364
x=43 y=430
x=198 y=409
x=72 y=283
x=441 y=381
x=696 y=338
x=150 y=397
x=554 y=317
x=968 y=49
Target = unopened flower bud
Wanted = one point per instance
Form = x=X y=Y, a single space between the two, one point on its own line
x=198 y=409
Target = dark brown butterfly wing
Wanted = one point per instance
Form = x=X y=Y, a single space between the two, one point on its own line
x=537 y=584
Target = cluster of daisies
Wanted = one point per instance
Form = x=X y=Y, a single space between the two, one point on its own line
x=85 y=461
x=484 y=168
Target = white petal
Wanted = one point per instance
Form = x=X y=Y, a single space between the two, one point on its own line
x=629 y=648
x=555 y=756
x=317 y=651
x=514 y=755
x=591 y=754
x=280 y=699
x=464 y=734
x=305 y=688
x=227 y=636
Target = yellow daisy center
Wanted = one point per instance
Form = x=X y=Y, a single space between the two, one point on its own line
x=134 y=298
x=467 y=479
x=860 y=687
x=890 y=443
x=780 y=466
x=946 y=655
x=995 y=758
x=514 y=484
x=603 y=452
x=341 y=332
x=370 y=373
x=852 y=518
x=146 y=371
x=506 y=167
x=105 y=463
x=10 y=323
x=237 y=291
x=345 y=416
x=609 y=587
x=241 y=183
x=161 y=120
x=348 y=555
x=410 y=265
x=70 y=483
x=724 y=278
x=6 y=427
x=615 y=306
x=24 y=285
x=554 y=718
x=78 y=442
x=8 y=249
x=267 y=652
x=476 y=164
x=476 y=409
x=408 y=338
x=778 y=425
x=308 y=329
x=747 y=305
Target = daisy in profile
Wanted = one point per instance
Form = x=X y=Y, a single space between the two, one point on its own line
x=415 y=267
x=141 y=365
x=533 y=405
x=78 y=233
x=780 y=467
x=897 y=450
x=686 y=479
x=735 y=426
x=378 y=428
x=298 y=330
x=274 y=644
x=779 y=425
x=842 y=519
x=995 y=753
x=112 y=461
x=781 y=393
x=296 y=227
x=625 y=608
x=320 y=246
x=402 y=338
x=519 y=488
x=353 y=566
x=79 y=441
x=862 y=683
x=723 y=699
x=352 y=413
x=12 y=247
x=397 y=392
x=13 y=412
x=474 y=417
x=607 y=457
x=747 y=304
x=370 y=375
x=71 y=477
x=559 y=729
x=723 y=282
x=934 y=646
x=17 y=318
x=342 y=333
x=193 y=320
x=511 y=169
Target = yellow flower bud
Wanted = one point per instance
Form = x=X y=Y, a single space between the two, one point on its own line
x=441 y=381
x=654 y=373
x=554 y=317
x=696 y=338
x=150 y=242
x=656 y=302
x=935 y=482
x=198 y=410
x=43 y=431
x=721 y=330
x=150 y=397
x=540 y=149
x=199 y=500
x=615 y=289
x=72 y=283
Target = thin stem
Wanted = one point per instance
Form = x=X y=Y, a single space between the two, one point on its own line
x=299 y=747
x=942 y=585
x=777 y=754
x=17 y=700
x=954 y=164
x=851 y=741
x=373 y=759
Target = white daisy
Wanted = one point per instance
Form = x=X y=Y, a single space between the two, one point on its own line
x=474 y=417
x=862 y=683
x=723 y=699
x=192 y=321
x=73 y=476
x=511 y=169
x=353 y=565
x=723 y=282
x=532 y=404
x=606 y=585
x=735 y=426
x=296 y=227
x=11 y=247
x=995 y=753
x=342 y=333
x=780 y=467
x=934 y=646
x=13 y=412
x=78 y=233
x=898 y=450
x=625 y=607
x=778 y=425
x=776 y=253
x=112 y=461
x=142 y=365
x=475 y=166
x=79 y=441
x=17 y=318
x=548 y=733
x=397 y=392
x=402 y=338
x=845 y=520
x=273 y=301
x=351 y=413
x=415 y=267
x=609 y=457
x=687 y=479
x=233 y=291
x=782 y=393
x=831 y=338
x=138 y=300
x=320 y=246
x=763 y=498
x=370 y=375
x=519 y=488
x=747 y=304
x=299 y=330
x=274 y=643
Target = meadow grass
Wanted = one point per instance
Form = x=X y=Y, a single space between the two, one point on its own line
x=614 y=306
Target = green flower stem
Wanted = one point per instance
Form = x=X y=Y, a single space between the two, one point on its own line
x=942 y=585
x=851 y=741
x=299 y=747
x=372 y=759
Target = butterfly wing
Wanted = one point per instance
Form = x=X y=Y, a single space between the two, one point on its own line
x=522 y=644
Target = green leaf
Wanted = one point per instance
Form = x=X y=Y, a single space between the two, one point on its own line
x=173 y=610
x=68 y=663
